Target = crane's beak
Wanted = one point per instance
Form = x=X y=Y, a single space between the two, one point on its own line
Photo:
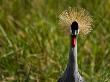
x=74 y=30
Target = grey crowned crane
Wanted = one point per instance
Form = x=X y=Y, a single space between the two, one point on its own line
x=79 y=22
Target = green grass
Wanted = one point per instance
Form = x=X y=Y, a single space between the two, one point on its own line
x=33 y=49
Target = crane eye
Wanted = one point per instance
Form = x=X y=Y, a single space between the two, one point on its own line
x=74 y=28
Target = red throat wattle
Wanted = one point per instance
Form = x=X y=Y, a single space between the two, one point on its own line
x=73 y=41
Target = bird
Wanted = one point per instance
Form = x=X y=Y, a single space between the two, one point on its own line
x=76 y=21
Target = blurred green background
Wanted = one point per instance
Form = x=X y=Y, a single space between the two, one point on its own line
x=34 y=49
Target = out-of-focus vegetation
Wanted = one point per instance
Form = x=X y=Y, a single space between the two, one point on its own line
x=34 y=49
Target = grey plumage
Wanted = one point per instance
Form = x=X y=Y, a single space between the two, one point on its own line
x=71 y=73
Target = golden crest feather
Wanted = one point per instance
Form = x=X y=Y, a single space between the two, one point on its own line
x=80 y=15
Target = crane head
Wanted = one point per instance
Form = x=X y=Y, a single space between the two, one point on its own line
x=74 y=30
